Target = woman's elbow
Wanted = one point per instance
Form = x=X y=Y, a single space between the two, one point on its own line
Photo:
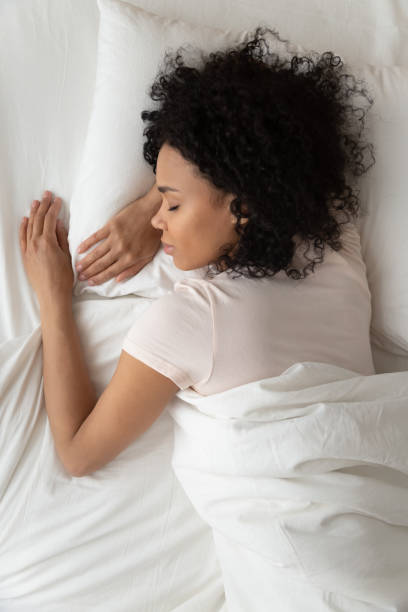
x=76 y=473
x=77 y=468
x=74 y=467
x=74 y=470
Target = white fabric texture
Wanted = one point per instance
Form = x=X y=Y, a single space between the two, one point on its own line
x=383 y=188
x=304 y=479
x=127 y=537
x=175 y=335
x=124 y=538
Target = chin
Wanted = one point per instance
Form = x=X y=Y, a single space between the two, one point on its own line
x=178 y=266
x=184 y=266
x=181 y=267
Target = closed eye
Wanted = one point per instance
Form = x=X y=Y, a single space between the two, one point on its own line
x=174 y=207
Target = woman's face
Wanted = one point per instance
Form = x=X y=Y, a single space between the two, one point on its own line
x=198 y=226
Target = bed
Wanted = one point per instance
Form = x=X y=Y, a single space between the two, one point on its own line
x=149 y=531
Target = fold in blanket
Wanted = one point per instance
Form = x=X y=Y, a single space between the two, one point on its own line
x=304 y=479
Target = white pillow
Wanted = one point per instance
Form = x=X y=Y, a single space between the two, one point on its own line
x=113 y=171
x=384 y=189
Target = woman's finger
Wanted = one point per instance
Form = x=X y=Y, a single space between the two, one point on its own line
x=98 y=266
x=100 y=251
x=120 y=272
x=38 y=224
x=23 y=234
x=34 y=206
x=62 y=236
x=129 y=272
x=50 y=220
x=114 y=270
x=101 y=234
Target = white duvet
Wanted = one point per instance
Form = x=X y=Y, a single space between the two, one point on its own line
x=304 y=480
x=123 y=539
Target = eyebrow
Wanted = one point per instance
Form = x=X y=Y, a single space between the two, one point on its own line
x=164 y=188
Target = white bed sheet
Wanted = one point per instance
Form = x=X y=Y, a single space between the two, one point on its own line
x=126 y=538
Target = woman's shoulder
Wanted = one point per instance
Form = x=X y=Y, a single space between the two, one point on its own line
x=222 y=289
x=351 y=249
x=184 y=312
x=348 y=255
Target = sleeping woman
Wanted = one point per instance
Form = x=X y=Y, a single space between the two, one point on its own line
x=253 y=157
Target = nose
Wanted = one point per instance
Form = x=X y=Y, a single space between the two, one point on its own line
x=157 y=220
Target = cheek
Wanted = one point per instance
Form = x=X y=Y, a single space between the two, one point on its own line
x=188 y=228
x=196 y=232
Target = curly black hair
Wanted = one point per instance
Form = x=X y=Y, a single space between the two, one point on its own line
x=280 y=134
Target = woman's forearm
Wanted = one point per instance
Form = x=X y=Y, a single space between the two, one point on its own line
x=69 y=393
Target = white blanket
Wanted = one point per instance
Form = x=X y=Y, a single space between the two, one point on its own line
x=304 y=480
x=123 y=539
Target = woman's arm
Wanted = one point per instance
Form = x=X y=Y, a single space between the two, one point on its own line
x=89 y=433
x=68 y=391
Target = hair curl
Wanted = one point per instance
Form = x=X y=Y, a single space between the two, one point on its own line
x=280 y=134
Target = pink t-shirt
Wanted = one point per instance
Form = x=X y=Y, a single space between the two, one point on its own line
x=215 y=334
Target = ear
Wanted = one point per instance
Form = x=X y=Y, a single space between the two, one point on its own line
x=242 y=221
x=229 y=198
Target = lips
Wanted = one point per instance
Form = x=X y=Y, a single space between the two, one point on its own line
x=168 y=248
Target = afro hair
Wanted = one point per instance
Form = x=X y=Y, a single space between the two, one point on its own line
x=279 y=133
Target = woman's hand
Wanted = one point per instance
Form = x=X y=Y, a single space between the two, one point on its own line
x=129 y=242
x=45 y=251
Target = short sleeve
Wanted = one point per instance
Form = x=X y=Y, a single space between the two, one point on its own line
x=174 y=336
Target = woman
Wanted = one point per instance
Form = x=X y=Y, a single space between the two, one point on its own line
x=251 y=154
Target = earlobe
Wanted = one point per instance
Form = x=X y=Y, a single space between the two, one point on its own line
x=241 y=221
